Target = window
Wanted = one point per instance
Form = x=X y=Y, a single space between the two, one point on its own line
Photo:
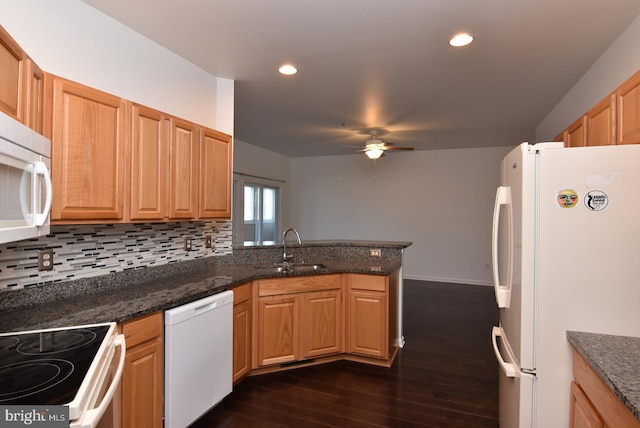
x=259 y=223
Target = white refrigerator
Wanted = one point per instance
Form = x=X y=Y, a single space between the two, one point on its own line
x=566 y=256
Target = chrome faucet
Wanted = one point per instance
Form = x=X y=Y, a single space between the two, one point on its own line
x=286 y=257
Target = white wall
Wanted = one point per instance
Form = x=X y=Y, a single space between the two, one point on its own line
x=75 y=41
x=250 y=159
x=619 y=62
x=441 y=200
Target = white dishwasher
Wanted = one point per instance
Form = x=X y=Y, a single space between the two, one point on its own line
x=198 y=358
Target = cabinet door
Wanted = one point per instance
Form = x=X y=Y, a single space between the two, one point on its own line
x=34 y=96
x=142 y=386
x=628 y=111
x=321 y=328
x=600 y=123
x=149 y=148
x=241 y=339
x=215 y=174
x=582 y=413
x=575 y=135
x=142 y=379
x=88 y=137
x=278 y=325
x=183 y=169
x=368 y=323
x=12 y=74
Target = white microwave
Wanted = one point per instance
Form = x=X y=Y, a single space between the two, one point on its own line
x=25 y=181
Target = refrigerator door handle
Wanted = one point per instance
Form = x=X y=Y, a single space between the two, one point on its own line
x=503 y=292
x=509 y=369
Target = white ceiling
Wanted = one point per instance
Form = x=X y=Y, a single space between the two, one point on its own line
x=384 y=64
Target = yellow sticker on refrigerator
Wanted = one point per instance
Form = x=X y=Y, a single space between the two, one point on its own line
x=567 y=198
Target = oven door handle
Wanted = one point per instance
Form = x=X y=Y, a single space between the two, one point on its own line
x=93 y=416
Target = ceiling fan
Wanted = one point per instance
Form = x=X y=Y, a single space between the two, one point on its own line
x=375 y=148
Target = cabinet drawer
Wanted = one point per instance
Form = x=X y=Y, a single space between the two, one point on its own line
x=300 y=284
x=241 y=293
x=368 y=282
x=143 y=329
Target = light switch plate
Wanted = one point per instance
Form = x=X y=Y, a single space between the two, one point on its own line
x=207 y=241
x=375 y=252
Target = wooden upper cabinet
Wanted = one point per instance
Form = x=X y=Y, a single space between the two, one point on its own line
x=21 y=84
x=215 y=174
x=88 y=148
x=149 y=164
x=575 y=135
x=600 y=123
x=12 y=76
x=628 y=111
x=183 y=169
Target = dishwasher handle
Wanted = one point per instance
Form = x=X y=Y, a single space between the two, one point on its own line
x=205 y=308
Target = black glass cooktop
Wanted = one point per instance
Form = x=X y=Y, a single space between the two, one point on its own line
x=47 y=367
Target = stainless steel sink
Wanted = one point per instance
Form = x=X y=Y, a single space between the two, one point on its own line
x=291 y=267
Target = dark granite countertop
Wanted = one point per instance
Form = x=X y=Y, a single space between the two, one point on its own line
x=125 y=295
x=616 y=359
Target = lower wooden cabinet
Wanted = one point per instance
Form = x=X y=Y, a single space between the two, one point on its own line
x=321 y=323
x=142 y=379
x=593 y=403
x=322 y=317
x=583 y=414
x=241 y=331
x=279 y=329
x=297 y=318
x=368 y=315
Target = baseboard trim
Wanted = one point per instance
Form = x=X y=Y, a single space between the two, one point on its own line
x=451 y=280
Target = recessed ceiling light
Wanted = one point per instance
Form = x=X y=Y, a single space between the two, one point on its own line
x=462 y=39
x=288 y=69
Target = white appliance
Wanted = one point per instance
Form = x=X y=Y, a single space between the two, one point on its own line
x=198 y=358
x=77 y=367
x=25 y=182
x=566 y=250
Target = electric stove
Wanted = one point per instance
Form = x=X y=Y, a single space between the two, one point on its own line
x=61 y=366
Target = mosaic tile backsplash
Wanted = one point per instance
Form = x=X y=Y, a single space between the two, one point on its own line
x=82 y=251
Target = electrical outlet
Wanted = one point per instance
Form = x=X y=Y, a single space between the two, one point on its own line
x=187 y=243
x=375 y=252
x=207 y=241
x=45 y=260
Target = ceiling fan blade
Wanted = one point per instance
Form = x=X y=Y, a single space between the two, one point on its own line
x=397 y=148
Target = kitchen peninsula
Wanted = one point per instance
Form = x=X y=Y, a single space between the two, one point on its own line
x=347 y=306
x=348 y=266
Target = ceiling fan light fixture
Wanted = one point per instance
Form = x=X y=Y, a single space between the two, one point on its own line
x=461 y=39
x=288 y=70
x=373 y=153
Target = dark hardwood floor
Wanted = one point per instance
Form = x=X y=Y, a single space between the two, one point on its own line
x=445 y=376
